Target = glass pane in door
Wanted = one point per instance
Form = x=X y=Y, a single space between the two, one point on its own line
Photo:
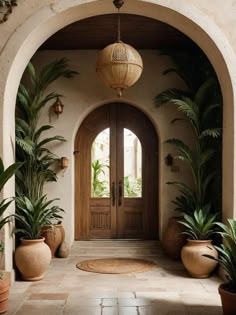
x=132 y=165
x=100 y=165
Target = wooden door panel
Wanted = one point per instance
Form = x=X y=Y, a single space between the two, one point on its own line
x=87 y=209
x=100 y=218
x=133 y=210
x=132 y=218
x=136 y=217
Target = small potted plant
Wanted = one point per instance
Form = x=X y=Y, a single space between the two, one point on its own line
x=4 y=288
x=199 y=229
x=5 y=175
x=33 y=256
x=227 y=260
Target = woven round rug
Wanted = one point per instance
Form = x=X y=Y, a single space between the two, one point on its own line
x=116 y=265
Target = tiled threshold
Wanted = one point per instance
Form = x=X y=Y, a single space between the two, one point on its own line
x=66 y=290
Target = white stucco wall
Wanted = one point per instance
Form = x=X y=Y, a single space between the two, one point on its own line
x=84 y=93
x=210 y=24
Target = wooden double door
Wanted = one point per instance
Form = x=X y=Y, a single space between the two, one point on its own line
x=116 y=175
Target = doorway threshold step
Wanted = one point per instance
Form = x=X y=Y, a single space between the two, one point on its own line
x=117 y=248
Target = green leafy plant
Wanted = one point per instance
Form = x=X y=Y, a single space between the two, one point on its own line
x=32 y=216
x=99 y=187
x=132 y=188
x=227 y=253
x=5 y=175
x=30 y=143
x=200 y=226
x=198 y=103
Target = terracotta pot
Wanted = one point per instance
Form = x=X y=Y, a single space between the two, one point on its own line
x=197 y=265
x=62 y=232
x=63 y=250
x=173 y=240
x=228 y=300
x=32 y=258
x=53 y=237
x=4 y=294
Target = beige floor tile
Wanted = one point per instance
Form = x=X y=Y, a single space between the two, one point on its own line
x=83 y=302
x=48 y=296
x=120 y=311
x=77 y=310
x=204 y=310
x=110 y=302
x=157 y=310
x=66 y=290
x=133 y=302
x=210 y=299
x=41 y=307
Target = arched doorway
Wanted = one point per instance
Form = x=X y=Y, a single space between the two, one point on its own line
x=34 y=25
x=116 y=175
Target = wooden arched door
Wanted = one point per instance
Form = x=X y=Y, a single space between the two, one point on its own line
x=116 y=175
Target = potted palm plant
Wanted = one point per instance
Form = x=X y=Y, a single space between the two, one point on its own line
x=31 y=144
x=40 y=164
x=227 y=260
x=199 y=229
x=5 y=175
x=33 y=256
x=197 y=103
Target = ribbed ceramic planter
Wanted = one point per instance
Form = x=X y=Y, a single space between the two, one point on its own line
x=228 y=300
x=53 y=237
x=197 y=265
x=32 y=258
x=4 y=294
x=173 y=240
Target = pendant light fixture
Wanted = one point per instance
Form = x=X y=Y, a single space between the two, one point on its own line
x=119 y=65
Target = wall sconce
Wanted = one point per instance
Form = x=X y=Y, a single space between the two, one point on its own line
x=58 y=107
x=64 y=162
x=169 y=160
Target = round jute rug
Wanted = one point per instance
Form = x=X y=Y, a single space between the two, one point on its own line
x=116 y=265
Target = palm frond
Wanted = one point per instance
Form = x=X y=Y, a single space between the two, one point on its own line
x=212 y=133
x=26 y=145
x=39 y=132
x=203 y=91
x=167 y=96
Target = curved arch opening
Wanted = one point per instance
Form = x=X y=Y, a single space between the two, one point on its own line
x=23 y=44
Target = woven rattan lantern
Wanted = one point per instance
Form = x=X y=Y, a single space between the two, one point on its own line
x=119 y=65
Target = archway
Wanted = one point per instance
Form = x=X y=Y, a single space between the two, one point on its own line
x=48 y=19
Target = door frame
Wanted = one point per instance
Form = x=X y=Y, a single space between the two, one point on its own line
x=80 y=225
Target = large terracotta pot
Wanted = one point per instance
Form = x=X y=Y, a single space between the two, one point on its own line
x=197 y=265
x=32 y=258
x=53 y=237
x=4 y=294
x=173 y=240
x=228 y=300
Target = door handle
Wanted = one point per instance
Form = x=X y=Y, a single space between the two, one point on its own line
x=120 y=193
x=113 y=194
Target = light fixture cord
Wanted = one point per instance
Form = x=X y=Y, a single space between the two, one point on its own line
x=118 y=39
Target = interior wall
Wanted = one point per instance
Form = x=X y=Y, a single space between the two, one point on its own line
x=84 y=93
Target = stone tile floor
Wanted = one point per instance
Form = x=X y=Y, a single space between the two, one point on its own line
x=66 y=290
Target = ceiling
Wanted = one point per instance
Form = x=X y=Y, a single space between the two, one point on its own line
x=99 y=31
